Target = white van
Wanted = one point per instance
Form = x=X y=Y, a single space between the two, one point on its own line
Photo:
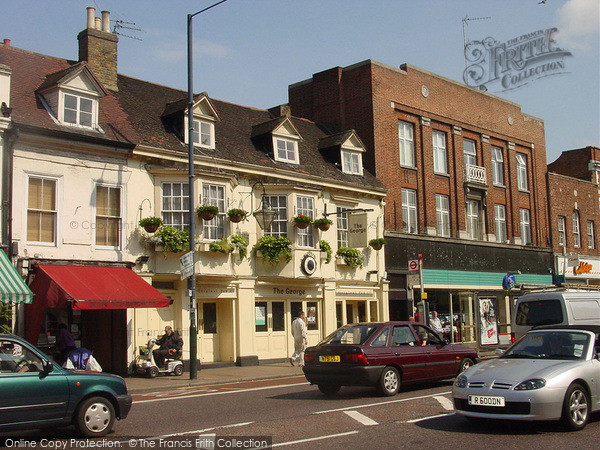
x=555 y=308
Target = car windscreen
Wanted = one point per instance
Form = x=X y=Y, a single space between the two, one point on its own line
x=538 y=312
x=350 y=334
x=550 y=345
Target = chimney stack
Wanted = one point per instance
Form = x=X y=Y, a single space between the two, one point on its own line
x=98 y=46
x=7 y=42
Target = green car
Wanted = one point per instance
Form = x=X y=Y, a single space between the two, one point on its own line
x=35 y=392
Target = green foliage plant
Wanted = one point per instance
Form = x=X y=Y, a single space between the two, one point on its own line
x=222 y=246
x=239 y=241
x=324 y=246
x=172 y=239
x=273 y=249
x=351 y=256
x=151 y=221
x=377 y=243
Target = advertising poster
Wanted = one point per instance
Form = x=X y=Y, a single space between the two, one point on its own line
x=488 y=322
x=260 y=315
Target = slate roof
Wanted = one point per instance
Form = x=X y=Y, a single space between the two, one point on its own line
x=143 y=113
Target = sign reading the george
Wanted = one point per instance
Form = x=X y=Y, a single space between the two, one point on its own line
x=413 y=265
x=186 y=265
x=357 y=230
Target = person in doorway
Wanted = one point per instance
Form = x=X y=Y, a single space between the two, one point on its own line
x=64 y=342
x=170 y=345
x=300 y=340
x=436 y=323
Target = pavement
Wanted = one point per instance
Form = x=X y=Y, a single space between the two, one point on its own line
x=213 y=374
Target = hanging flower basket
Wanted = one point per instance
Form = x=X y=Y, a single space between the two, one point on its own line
x=301 y=221
x=377 y=244
x=323 y=224
x=151 y=224
x=236 y=215
x=207 y=212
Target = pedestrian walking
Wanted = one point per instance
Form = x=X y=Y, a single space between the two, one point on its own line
x=300 y=341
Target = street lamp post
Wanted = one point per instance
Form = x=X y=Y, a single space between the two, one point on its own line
x=192 y=278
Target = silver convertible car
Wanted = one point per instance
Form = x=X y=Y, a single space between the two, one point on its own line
x=552 y=373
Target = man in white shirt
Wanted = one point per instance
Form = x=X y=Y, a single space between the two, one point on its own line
x=300 y=341
x=436 y=323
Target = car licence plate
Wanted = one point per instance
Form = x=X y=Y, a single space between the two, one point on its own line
x=486 y=400
x=328 y=358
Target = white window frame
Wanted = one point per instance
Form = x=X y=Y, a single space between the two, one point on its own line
x=54 y=241
x=591 y=234
x=473 y=220
x=522 y=184
x=525 y=225
x=279 y=227
x=442 y=211
x=440 y=155
x=500 y=223
x=562 y=230
x=409 y=211
x=291 y=146
x=576 y=229
x=79 y=97
x=182 y=212
x=120 y=217
x=214 y=195
x=305 y=205
x=406 y=144
x=342 y=228
x=497 y=166
x=351 y=162
x=209 y=127
x=470 y=152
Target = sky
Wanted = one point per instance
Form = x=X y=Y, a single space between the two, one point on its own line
x=248 y=51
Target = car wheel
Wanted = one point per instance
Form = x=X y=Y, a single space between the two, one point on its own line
x=465 y=364
x=178 y=370
x=95 y=417
x=576 y=407
x=329 y=389
x=389 y=382
x=152 y=372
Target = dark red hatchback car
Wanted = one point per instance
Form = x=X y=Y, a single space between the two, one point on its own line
x=383 y=355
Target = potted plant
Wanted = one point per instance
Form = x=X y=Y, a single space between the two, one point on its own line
x=239 y=241
x=301 y=221
x=236 y=215
x=324 y=246
x=273 y=249
x=323 y=223
x=222 y=246
x=377 y=243
x=351 y=256
x=207 y=212
x=151 y=224
x=172 y=239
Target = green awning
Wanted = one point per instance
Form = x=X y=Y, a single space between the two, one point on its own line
x=12 y=287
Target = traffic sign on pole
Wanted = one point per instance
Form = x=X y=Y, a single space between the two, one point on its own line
x=413 y=265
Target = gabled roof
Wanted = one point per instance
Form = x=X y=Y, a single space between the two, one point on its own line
x=65 y=75
x=272 y=126
x=180 y=106
x=339 y=139
x=31 y=71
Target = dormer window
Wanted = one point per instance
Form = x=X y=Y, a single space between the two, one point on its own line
x=204 y=134
x=351 y=162
x=286 y=150
x=78 y=110
x=205 y=116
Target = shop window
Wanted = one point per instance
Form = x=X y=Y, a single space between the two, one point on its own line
x=312 y=317
x=260 y=316
x=41 y=210
x=339 y=315
x=278 y=310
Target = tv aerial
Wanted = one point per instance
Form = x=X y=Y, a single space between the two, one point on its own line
x=124 y=25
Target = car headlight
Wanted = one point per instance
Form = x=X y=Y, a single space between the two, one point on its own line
x=461 y=381
x=528 y=385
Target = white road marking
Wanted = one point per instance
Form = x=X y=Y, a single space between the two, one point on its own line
x=283 y=444
x=445 y=402
x=179 y=397
x=381 y=403
x=360 y=418
x=185 y=433
x=427 y=418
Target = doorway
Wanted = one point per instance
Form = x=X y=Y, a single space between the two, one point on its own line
x=270 y=332
x=208 y=332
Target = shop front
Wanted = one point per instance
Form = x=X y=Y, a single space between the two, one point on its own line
x=93 y=301
x=578 y=269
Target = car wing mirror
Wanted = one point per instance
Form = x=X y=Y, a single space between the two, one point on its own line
x=47 y=366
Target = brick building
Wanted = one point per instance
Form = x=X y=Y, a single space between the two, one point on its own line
x=574 y=213
x=467 y=188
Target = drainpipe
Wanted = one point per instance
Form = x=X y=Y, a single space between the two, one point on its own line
x=11 y=136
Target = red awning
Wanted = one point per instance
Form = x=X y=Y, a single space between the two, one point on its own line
x=88 y=287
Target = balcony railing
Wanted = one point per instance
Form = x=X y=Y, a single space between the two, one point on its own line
x=475 y=174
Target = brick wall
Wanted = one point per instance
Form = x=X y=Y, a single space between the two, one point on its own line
x=99 y=49
x=371 y=98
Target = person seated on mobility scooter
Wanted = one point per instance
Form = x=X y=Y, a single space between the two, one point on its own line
x=170 y=345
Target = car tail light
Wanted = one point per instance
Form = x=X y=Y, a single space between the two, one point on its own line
x=309 y=358
x=512 y=338
x=356 y=358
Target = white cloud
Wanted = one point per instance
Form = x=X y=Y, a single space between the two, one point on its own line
x=578 y=23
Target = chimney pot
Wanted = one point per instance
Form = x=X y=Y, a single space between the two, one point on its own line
x=97 y=23
x=7 y=42
x=106 y=21
x=91 y=13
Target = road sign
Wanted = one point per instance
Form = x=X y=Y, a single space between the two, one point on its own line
x=413 y=265
x=186 y=265
x=420 y=256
